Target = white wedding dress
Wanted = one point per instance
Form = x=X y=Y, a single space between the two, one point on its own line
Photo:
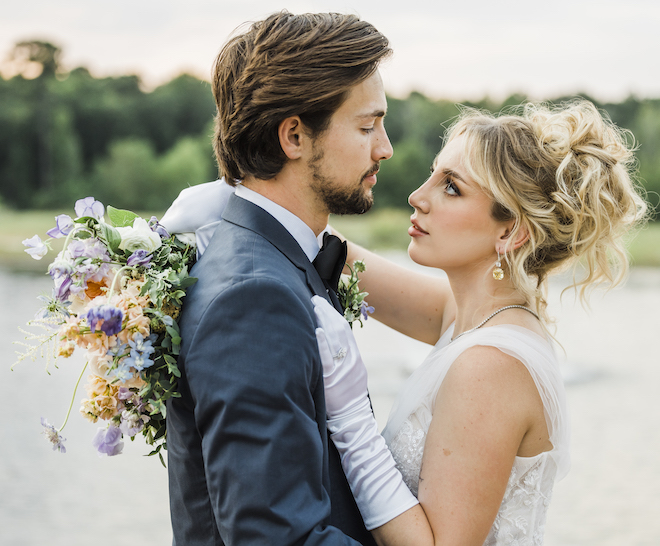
x=521 y=517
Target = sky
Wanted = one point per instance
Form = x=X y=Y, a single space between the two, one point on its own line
x=458 y=50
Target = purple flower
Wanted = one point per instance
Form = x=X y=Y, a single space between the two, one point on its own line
x=35 y=247
x=62 y=288
x=141 y=350
x=131 y=423
x=60 y=268
x=108 y=442
x=88 y=248
x=158 y=228
x=125 y=393
x=63 y=226
x=366 y=309
x=53 y=436
x=139 y=257
x=89 y=207
x=111 y=316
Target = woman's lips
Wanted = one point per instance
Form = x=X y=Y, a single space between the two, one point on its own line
x=415 y=230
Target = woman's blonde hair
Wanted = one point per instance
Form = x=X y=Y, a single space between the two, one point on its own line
x=566 y=176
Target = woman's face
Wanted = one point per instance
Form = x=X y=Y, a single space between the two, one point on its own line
x=452 y=226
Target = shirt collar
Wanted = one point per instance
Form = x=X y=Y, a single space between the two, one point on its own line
x=298 y=229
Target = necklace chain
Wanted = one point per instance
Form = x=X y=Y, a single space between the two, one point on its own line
x=491 y=316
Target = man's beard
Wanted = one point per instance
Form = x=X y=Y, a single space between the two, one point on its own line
x=338 y=199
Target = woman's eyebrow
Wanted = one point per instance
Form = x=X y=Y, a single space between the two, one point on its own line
x=454 y=174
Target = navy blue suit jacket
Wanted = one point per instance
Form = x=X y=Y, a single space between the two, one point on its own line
x=249 y=457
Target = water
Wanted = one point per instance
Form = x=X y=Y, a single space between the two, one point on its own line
x=610 y=497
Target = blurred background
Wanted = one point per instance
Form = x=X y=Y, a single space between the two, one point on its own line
x=113 y=100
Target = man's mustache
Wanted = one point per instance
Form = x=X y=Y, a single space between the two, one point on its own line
x=373 y=170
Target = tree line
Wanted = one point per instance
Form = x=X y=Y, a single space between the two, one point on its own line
x=66 y=135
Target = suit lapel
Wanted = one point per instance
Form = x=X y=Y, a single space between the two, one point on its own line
x=250 y=216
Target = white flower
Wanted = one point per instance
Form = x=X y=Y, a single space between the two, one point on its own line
x=140 y=236
x=35 y=247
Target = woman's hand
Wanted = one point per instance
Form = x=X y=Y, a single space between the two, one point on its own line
x=197 y=211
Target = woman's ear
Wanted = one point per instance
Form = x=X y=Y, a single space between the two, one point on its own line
x=290 y=133
x=521 y=237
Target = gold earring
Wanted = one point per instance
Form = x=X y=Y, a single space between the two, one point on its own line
x=498 y=272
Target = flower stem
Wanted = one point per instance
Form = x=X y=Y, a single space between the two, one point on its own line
x=75 y=389
x=114 y=281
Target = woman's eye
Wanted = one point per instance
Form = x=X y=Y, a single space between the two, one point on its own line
x=450 y=187
x=368 y=129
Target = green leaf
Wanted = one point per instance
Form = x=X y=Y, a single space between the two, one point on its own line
x=120 y=217
x=112 y=236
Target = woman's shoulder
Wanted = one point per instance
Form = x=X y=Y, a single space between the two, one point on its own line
x=482 y=368
x=505 y=357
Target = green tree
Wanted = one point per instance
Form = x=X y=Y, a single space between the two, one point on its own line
x=126 y=177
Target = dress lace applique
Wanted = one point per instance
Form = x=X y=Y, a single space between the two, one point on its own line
x=521 y=518
x=407 y=448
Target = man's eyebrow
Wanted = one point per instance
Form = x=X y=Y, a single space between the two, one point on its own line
x=371 y=115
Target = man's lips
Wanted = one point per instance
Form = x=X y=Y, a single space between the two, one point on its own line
x=415 y=230
x=371 y=175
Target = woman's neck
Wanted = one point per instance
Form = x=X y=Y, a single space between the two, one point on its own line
x=477 y=295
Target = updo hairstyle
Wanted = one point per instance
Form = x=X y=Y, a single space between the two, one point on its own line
x=565 y=174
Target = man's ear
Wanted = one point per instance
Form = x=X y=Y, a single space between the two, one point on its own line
x=291 y=135
x=521 y=237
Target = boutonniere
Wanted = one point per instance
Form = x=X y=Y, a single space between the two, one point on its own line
x=117 y=294
x=351 y=299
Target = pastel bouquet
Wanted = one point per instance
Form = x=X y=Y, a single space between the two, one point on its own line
x=117 y=295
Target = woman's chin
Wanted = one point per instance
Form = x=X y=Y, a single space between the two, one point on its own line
x=416 y=256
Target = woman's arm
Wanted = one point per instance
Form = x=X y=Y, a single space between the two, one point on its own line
x=413 y=303
x=484 y=409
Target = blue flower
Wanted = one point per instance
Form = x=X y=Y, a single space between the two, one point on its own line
x=53 y=436
x=139 y=257
x=366 y=310
x=141 y=350
x=55 y=307
x=108 y=442
x=111 y=316
x=63 y=226
x=122 y=372
x=89 y=207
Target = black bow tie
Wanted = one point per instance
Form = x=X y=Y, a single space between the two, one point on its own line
x=330 y=260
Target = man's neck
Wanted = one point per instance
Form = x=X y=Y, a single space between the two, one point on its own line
x=294 y=196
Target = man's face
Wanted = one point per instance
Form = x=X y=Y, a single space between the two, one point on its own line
x=347 y=156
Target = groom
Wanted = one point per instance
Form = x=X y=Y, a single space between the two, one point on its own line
x=300 y=123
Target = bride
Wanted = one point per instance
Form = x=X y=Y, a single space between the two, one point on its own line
x=480 y=430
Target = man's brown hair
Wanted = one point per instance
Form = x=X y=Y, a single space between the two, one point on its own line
x=283 y=66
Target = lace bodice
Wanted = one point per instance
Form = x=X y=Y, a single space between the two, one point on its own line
x=521 y=517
